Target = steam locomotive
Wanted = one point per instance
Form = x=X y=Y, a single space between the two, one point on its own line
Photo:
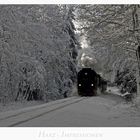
x=89 y=82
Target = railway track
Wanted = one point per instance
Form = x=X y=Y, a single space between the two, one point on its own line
x=15 y=118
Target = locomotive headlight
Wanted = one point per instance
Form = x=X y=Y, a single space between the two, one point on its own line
x=79 y=85
x=92 y=85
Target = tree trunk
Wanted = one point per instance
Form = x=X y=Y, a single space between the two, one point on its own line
x=137 y=39
x=138 y=81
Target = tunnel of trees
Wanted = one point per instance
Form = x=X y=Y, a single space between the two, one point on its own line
x=43 y=46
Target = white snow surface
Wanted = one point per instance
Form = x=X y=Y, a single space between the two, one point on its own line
x=116 y=91
x=107 y=110
x=18 y=105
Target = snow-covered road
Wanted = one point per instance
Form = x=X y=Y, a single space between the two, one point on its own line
x=104 y=110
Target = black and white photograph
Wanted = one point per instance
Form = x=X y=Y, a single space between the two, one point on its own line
x=69 y=65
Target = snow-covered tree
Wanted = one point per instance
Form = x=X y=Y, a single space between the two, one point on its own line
x=36 y=43
x=110 y=30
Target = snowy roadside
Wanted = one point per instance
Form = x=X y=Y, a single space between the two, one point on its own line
x=115 y=90
x=23 y=104
x=132 y=105
x=18 y=105
x=11 y=106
